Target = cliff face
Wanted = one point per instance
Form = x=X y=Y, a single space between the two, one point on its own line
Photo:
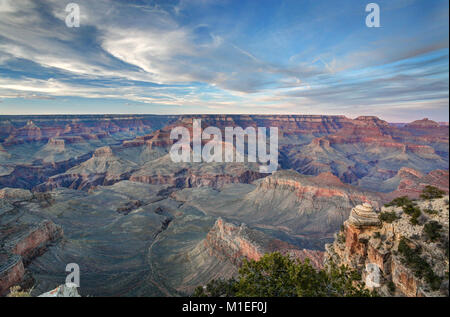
x=234 y=243
x=11 y=272
x=411 y=182
x=34 y=242
x=20 y=129
x=22 y=236
x=396 y=258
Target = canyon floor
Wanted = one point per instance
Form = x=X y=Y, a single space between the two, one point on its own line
x=103 y=192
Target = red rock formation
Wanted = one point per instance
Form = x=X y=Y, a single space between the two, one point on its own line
x=33 y=242
x=11 y=272
x=412 y=182
x=364 y=241
x=424 y=123
x=234 y=243
x=323 y=185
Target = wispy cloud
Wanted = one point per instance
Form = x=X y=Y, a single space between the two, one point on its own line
x=226 y=56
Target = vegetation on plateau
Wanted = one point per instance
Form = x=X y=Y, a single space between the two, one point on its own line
x=431 y=192
x=421 y=269
x=276 y=275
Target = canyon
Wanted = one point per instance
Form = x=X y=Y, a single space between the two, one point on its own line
x=102 y=191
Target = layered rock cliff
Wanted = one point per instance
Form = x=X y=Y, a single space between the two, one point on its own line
x=396 y=255
x=237 y=242
x=23 y=236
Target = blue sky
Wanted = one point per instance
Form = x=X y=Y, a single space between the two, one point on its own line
x=226 y=56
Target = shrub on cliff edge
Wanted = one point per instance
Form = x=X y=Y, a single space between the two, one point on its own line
x=276 y=275
x=431 y=192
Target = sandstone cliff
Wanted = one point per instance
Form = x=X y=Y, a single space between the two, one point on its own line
x=22 y=236
x=237 y=242
x=396 y=255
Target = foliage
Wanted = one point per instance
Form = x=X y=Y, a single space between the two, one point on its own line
x=217 y=288
x=431 y=211
x=16 y=291
x=276 y=275
x=388 y=216
x=399 y=202
x=420 y=267
x=413 y=211
x=431 y=192
x=432 y=230
x=391 y=286
x=341 y=238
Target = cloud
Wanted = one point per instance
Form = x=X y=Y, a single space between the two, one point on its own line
x=178 y=53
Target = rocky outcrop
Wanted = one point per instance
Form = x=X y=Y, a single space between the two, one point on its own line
x=411 y=182
x=14 y=195
x=34 y=241
x=424 y=123
x=325 y=185
x=237 y=242
x=65 y=290
x=395 y=257
x=11 y=271
x=103 y=168
x=363 y=216
x=28 y=175
x=22 y=237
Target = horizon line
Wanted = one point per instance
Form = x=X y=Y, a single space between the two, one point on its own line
x=207 y=114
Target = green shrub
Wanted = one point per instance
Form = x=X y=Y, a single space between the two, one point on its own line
x=432 y=230
x=276 y=275
x=391 y=286
x=388 y=216
x=413 y=211
x=431 y=192
x=420 y=267
x=341 y=238
x=399 y=202
x=431 y=211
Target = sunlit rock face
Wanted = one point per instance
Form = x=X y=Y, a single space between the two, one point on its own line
x=234 y=243
x=363 y=216
x=366 y=244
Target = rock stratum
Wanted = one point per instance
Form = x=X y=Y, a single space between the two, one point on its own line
x=397 y=257
x=102 y=191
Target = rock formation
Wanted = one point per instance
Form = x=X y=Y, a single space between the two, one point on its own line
x=363 y=216
x=376 y=249
x=23 y=237
x=11 y=271
x=235 y=242
x=65 y=290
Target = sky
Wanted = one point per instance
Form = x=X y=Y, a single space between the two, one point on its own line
x=226 y=56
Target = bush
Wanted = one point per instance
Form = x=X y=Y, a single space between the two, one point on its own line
x=414 y=212
x=391 y=286
x=432 y=230
x=276 y=275
x=217 y=288
x=420 y=267
x=16 y=291
x=431 y=211
x=399 y=202
x=431 y=192
x=388 y=216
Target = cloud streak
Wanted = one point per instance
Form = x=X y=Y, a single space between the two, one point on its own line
x=188 y=54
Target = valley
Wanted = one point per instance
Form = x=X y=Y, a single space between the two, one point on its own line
x=102 y=191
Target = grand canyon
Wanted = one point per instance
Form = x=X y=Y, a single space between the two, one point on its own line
x=101 y=191
x=224 y=156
